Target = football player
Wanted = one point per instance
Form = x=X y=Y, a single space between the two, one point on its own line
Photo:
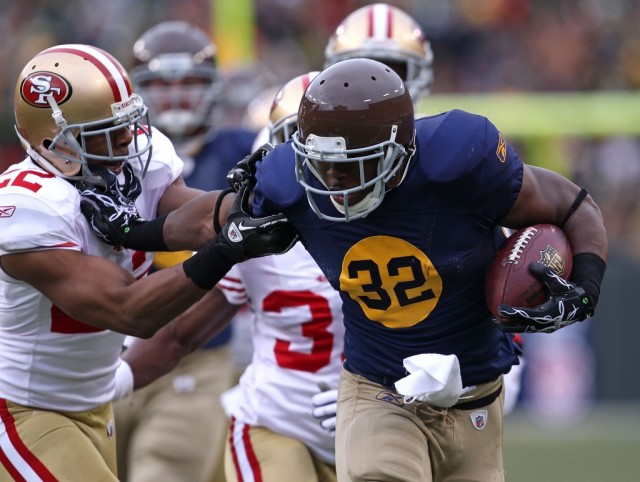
x=68 y=297
x=298 y=342
x=175 y=71
x=400 y=214
x=388 y=34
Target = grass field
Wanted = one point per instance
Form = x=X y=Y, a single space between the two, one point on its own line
x=604 y=447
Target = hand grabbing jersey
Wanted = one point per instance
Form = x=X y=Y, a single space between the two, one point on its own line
x=111 y=210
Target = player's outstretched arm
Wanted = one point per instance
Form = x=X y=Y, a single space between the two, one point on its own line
x=152 y=358
x=99 y=292
x=118 y=223
x=111 y=212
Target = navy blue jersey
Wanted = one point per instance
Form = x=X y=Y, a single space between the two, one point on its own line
x=222 y=151
x=411 y=274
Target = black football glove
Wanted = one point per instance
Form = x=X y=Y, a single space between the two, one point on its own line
x=111 y=211
x=243 y=237
x=566 y=304
x=245 y=170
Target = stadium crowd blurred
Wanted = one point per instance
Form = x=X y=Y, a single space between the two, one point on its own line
x=489 y=46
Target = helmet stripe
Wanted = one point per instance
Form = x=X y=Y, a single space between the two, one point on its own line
x=105 y=63
x=380 y=22
x=306 y=80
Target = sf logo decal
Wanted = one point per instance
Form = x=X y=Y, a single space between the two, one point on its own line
x=393 y=281
x=37 y=86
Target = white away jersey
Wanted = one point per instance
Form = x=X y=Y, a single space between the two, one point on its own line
x=298 y=342
x=47 y=359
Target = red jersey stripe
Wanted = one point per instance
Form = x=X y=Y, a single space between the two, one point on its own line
x=111 y=70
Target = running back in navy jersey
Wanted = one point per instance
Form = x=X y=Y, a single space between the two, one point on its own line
x=411 y=273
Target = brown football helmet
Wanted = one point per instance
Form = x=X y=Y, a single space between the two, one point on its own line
x=357 y=110
x=69 y=93
x=387 y=34
x=175 y=71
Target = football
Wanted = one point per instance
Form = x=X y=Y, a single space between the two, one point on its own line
x=509 y=280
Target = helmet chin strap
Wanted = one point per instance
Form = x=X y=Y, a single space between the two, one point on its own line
x=367 y=202
x=87 y=176
x=37 y=157
x=61 y=122
x=32 y=153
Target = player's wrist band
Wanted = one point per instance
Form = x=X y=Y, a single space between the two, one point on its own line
x=147 y=236
x=588 y=271
x=207 y=266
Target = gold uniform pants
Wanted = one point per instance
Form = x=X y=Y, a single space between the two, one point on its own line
x=380 y=437
x=42 y=445
x=273 y=458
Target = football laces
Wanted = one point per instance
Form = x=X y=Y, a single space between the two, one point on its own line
x=521 y=243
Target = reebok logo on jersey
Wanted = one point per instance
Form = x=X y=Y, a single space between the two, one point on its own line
x=501 y=151
x=390 y=397
x=7 y=211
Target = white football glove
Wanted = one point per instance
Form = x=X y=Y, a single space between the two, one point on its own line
x=325 y=406
x=124 y=381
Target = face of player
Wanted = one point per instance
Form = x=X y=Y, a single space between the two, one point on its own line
x=339 y=176
x=119 y=140
x=180 y=94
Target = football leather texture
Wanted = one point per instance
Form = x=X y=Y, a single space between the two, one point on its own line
x=509 y=280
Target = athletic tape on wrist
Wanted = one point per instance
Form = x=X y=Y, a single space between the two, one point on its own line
x=147 y=236
x=588 y=271
x=207 y=266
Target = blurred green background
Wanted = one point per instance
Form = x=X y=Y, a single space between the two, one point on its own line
x=604 y=447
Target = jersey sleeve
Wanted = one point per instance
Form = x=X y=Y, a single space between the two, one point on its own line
x=164 y=157
x=466 y=155
x=276 y=185
x=499 y=176
x=165 y=167
x=232 y=286
x=36 y=226
x=38 y=218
